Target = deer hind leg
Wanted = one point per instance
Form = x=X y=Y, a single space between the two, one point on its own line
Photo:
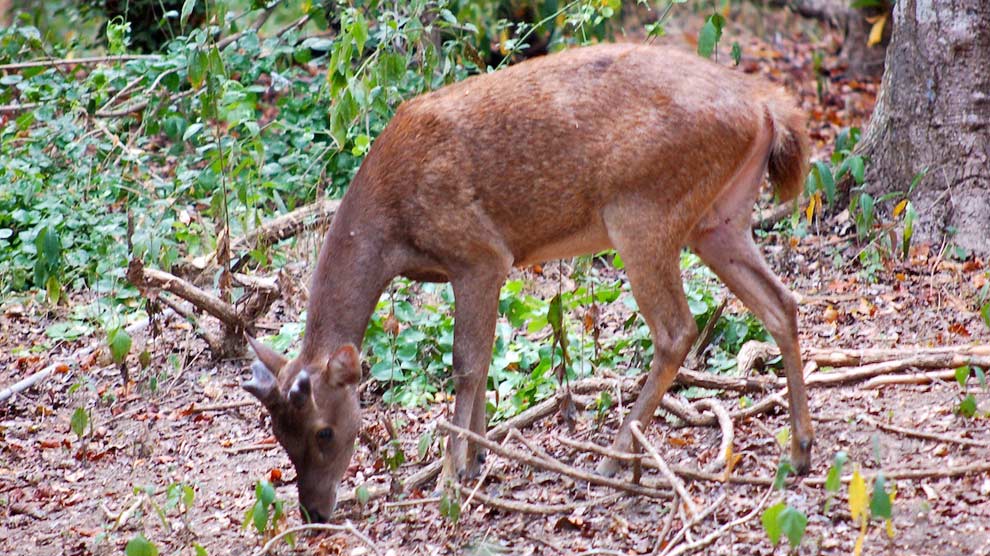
x=724 y=241
x=732 y=255
x=652 y=265
x=475 y=314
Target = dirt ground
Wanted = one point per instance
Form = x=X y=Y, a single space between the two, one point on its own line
x=59 y=495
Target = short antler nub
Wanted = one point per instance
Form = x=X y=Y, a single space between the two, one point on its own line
x=262 y=384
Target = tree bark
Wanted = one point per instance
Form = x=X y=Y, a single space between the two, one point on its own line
x=932 y=114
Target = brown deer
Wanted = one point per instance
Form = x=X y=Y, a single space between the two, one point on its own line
x=642 y=149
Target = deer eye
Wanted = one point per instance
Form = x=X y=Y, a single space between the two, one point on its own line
x=325 y=434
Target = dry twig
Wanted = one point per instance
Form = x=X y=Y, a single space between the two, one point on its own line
x=665 y=470
x=347 y=527
x=553 y=465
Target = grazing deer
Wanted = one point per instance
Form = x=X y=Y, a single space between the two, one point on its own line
x=638 y=148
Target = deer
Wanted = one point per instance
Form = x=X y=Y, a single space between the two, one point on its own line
x=643 y=149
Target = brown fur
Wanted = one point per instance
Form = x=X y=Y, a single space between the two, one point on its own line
x=639 y=148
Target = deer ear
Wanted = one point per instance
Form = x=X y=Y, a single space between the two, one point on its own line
x=262 y=385
x=267 y=355
x=344 y=367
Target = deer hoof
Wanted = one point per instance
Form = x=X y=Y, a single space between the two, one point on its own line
x=608 y=467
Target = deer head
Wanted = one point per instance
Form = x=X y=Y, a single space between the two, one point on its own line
x=315 y=417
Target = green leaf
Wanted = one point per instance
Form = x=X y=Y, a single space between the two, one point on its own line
x=359 y=32
x=708 y=36
x=834 y=478
x=880 y=505
x=771 y=523
x=825 y=181
x=120 y=344
x=792 y=523
x=197 y=66
x=423 y=447
x=140 y=546
x=259 y=516
x=985 y=313
x=962 y=375
x=857 y=168
x=264 y=491
x=981 y=376
x=967 y=407
x=736 y=53
x=187 y=9
x=909 y=217
x=362 y=494
x=784 y=469
x=79 y=421
x=200 y=551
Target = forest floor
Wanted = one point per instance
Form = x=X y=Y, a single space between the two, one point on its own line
x=60 y=495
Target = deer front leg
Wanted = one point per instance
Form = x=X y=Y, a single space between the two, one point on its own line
x=475 y=315
x=654 y=274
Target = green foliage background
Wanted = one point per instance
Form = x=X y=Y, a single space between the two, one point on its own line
x=157 y=156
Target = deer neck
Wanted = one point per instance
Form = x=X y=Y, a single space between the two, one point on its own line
x=349 y=278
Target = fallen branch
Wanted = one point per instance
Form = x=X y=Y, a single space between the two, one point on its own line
x=149 y=278
x=917 y=378
x=541 y=509
x=221 y=406
x=681 y=471
x=913 y=474
x=347 y=527
x=924 y=361
x=718 y=533
x=915 y=433
x=728 y=436
x=851 y=357
x=251 y=448
x=665 y=470
x=78 y=61
x=18 y=107
x=83 y=353
x=553 y=465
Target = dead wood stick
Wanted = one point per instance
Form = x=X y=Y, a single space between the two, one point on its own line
x=553 y=465
x=148 y=278
x=484 y=474
x=213 y=343
x=765 y=219
x=927 y=435
x=77 y=61
x=311 y=216
x=728 y=436
x=863 y=372
x=683 y=472
x=83 y=353
x=851 y=357
x=687 y=377
x=917 y=378
x=221 y=406
x=347 y=527
x=686 y=528
x=914 y=474
x=675 y=481
x=718 y=533
x=7 y=108
x=518 y=506
x=251 y=448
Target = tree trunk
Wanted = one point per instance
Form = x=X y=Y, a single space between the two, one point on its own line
x=933 y=113
x=861 y=59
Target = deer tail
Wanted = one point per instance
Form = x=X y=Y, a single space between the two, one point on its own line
x=788 y=162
